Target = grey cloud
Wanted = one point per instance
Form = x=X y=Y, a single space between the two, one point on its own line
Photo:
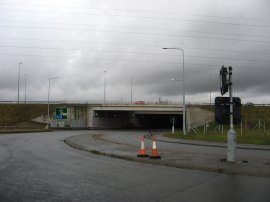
x=78 y=44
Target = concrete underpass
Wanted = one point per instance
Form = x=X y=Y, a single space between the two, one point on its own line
x=159 y=121
x=130 y=119
x=106 y=116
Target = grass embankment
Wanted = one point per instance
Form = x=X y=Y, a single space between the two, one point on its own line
x=255 y=128
x=17 y=117
x=242 y=139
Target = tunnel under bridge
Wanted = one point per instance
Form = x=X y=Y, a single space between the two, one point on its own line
x=105 y=116
x=137 y=119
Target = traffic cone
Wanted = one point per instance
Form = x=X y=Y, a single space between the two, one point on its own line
x=142 y=150
x=154 y=154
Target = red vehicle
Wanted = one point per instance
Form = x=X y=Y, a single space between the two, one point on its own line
x=140 y=102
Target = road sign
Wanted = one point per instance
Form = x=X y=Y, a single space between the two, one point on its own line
x=61 y=113
x=222 y=110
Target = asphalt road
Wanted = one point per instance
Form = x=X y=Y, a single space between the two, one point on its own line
x=41 y=167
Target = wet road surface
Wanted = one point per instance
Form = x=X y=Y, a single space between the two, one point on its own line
x=41 y=167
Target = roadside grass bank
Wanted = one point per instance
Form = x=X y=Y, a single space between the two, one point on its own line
x=254 y=128
x=25 y=127
x=17 y=114
x=23 y=130
x=259 y=139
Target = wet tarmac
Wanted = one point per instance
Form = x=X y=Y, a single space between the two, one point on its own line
x=41 y=167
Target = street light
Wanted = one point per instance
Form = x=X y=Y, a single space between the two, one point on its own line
x=25 y=78
x=183 y=80
x=49 y=96
x=173 y=117
x=131 y=89
x=19 y=82
x=210 y=75
x=105 y=74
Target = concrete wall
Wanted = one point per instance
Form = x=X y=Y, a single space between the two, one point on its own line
x=197 y=116
x=78 y=113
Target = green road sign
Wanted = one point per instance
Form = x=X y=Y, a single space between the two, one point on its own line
x=61 y=113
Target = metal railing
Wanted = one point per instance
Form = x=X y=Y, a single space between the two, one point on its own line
x=112 y=102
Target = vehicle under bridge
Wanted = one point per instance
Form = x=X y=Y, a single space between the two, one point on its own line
x=117 y=116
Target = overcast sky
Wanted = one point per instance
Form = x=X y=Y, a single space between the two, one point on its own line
x=77 y=40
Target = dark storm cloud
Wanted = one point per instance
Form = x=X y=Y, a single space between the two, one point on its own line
x=78 y=40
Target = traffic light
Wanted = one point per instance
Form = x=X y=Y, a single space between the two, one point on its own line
x=224 y=85
x=222 y=110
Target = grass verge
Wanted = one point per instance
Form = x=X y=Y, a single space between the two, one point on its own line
x=242 y=139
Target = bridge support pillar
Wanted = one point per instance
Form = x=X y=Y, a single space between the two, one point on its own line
x=90 y=117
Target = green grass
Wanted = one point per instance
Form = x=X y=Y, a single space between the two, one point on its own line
x=14 y=114
x=242 y=139
x=249 y=133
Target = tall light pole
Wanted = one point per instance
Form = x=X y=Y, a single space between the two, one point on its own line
x=131 y=90
x=105 y=75
x=25 y=78
x=49 y=96
x=183 y=80
x=210 y=88
x=19 y=82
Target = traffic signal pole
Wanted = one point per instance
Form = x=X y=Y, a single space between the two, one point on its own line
x=231 y=135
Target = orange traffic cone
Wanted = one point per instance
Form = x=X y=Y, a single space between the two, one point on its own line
x=142 y=150
x=154 y=154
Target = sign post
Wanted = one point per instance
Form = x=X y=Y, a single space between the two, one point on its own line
x=173 y=125
x=231 y=135
x=220 y=111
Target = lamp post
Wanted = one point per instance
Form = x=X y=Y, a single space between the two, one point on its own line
x=173 y=79
x=25 y=78
x=49 y=97
x=105 y=75
x=131 y=89
x=19 y=82
x=210 y=75
x=183 y=80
